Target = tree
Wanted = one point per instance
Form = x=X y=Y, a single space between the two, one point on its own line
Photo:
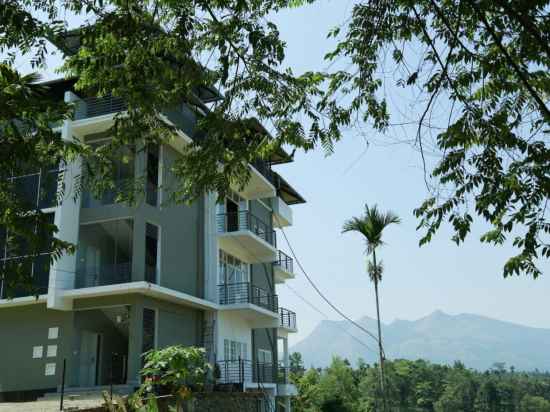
x=484 y=67
x=296 y=364
x=28 y=144
x=371 y=226
x=174 y=370
x=531 y=403
x=156 y=55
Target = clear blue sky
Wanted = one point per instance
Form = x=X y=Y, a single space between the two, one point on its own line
x=417 y=280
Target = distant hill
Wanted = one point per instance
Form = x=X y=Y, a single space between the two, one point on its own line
x=475 y=340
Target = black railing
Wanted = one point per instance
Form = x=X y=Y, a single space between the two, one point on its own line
x=287 y=318
x=285 y=262
x=110 y=274
x=265 y=170
x=245 y=371
x=244 y=220
x=98 y=106
x=232 y=293
x=283 y=375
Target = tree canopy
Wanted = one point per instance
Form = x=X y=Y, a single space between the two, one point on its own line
x=486 y=62
x=420 y=386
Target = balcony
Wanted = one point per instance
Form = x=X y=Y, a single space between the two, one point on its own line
x=282 y=213
x=287 y=321
x=111 y=274
x=284 y=385
x=261 y=182
x=246 y=237
x=98 y=106
x=258 y=307
x=243 y=372
x=283 y=268
x=96 y=114
x=244 y=292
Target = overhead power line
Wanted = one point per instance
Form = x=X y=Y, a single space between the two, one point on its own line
x=342 y=314
x=326 y=317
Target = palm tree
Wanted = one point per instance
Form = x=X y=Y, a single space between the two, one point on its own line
x=371 y=226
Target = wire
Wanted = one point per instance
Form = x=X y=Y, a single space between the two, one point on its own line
x=326 y=317
x=342 y=314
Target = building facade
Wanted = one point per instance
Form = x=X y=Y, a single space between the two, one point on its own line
x=150 y=275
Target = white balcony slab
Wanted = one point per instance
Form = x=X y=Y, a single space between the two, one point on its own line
x=247 y=246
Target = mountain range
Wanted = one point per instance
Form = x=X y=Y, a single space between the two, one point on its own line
x=477 y=341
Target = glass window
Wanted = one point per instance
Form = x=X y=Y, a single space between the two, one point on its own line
x=231 y=269
x=123 y=178
x=149 y=327
x=152 y=175
x=16 y=256
x=151 y=253
x=105 y=253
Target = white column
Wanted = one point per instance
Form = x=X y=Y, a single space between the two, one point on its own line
x=286 y=360
x=287 y=404
x=67 y=220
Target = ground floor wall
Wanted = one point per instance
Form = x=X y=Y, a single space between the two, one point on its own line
x=35 y=340
x=33 y=343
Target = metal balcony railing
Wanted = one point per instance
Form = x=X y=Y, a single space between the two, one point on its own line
x=285 y=262
x=265 y=170
x=283 y=375
x=98 y=106
x=244 y=220
x=110 y=274
x=242 y=370
x=244 y=292
x=287 y=318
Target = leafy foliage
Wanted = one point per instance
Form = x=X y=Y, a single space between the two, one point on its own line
x=420 y=386
x=28 y=144
x=486 y=63
x=156 y=56
x=175 y=370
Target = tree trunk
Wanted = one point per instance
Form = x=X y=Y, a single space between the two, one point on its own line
x=380 y=347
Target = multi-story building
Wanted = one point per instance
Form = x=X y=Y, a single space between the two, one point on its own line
x=152 y=274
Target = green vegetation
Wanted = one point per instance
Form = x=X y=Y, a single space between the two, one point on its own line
x=415 y=386
x=485 y=65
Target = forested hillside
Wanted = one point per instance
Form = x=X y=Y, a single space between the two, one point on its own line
x=414 y=386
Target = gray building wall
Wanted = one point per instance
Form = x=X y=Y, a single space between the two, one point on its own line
x=181 y=231
x=23 y=328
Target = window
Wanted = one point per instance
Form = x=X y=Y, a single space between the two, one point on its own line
x=105 y=253
x=151 y=253
x=235 y=350
x=232 y=270
x=37 y=189
x=152 y=175
x=149 y=327
x=15 y=253
x=265 y=356
x=122 y=177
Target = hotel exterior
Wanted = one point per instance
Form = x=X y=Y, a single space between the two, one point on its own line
x=152 y=274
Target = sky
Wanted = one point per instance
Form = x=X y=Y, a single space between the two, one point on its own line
x=417 y=281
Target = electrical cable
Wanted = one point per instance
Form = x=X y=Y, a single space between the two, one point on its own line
x=342 y=314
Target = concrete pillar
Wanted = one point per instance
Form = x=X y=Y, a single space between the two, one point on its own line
x=135 y=342
x=286 y=361
x=67 y=220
